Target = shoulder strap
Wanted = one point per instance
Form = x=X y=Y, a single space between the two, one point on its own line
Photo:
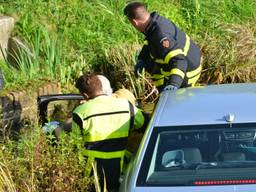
x=78 y=121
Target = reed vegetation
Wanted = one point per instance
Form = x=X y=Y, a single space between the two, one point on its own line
x=64 y=38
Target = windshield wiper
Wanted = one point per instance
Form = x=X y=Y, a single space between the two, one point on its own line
x=237 y=164
x=193 y=166
x=202 y=165
x=225 y=164
x=206 y=165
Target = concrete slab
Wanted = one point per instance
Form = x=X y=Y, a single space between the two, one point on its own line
x=6 y=27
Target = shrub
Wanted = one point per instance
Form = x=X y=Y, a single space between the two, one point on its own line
x=37 y=165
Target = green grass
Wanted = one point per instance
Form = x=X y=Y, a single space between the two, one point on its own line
x=65 y=33
x=69 y=37
x=33 y=164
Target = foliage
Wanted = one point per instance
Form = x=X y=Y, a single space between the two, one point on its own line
x=35 y=164
x=6 y=182
x=120 y=61
x=64 y=38
x=75 y=37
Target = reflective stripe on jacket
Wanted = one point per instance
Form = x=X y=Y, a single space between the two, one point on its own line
x=175 y=57
x=105 y=123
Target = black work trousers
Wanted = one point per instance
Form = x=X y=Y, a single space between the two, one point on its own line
x=110 y=168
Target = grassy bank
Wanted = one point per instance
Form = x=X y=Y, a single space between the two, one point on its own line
x=68 y=37
x=35 y=164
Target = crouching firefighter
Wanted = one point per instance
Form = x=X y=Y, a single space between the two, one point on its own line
x=103 y=122
x=169 y=55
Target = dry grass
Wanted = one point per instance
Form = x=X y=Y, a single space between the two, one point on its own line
x=233 y=59
x=6 y=182
x=120 y=69
x=244 y=42
x=96 y=179
x=244 y=45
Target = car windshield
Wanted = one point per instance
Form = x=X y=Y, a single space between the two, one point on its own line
x=187 y=155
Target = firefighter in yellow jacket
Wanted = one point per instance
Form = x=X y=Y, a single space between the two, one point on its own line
x=169 y=55
x=104 y=122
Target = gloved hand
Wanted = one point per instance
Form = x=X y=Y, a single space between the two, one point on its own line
x=138 y=67
x=170 y=87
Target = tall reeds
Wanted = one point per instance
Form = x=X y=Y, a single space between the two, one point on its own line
x=75 y=37
x=6 y=182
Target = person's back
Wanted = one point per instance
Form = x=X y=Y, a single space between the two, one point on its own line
x=168 y=28
x=101 y=113
x=104 y=122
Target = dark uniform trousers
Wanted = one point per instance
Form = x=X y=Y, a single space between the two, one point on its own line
x=108 y=169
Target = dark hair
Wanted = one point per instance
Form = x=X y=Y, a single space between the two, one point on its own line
x=134 y=10
x=89 y=84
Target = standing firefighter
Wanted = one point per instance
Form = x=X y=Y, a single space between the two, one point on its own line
x=104 y=122
x=169 y=55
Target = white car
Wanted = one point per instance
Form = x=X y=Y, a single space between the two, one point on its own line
x=199 y=139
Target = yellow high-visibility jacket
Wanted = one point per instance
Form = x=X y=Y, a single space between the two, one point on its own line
x=104 y=123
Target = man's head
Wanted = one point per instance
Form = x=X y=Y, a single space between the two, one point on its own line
x=138 y=15
x=92 y=85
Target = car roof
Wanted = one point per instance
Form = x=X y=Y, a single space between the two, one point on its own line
x=206 y=105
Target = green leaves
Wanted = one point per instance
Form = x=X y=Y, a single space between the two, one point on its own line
x=72 y=36
x=34 y=164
